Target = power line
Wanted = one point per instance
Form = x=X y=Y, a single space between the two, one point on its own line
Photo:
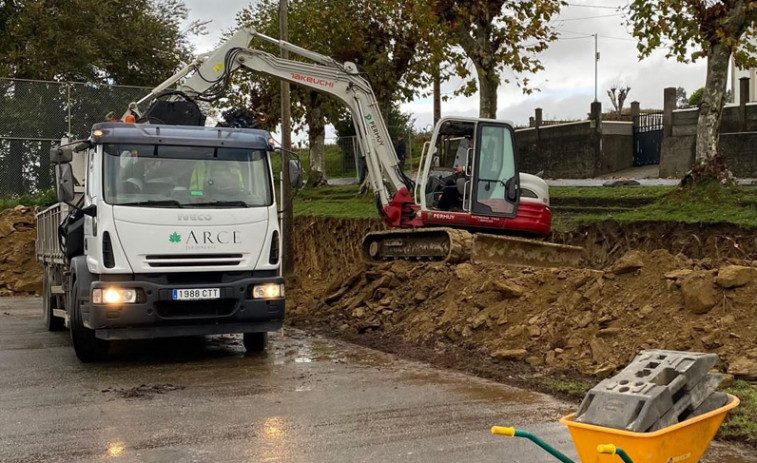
x=618 y=38
x=574 y=38
x=604 y=7
x=590 y=17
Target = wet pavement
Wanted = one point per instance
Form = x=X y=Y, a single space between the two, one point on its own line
x=308 y=399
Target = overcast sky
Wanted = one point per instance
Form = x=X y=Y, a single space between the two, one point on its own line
x=567 y=83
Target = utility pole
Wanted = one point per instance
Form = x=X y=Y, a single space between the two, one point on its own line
x=596 y=64
x=437 y=93
x=287 y=217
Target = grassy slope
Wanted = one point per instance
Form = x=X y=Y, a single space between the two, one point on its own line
x=709 y=204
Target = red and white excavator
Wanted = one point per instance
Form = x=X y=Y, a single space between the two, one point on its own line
x=468 y=195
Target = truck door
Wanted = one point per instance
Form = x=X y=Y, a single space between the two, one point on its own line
x=496 y=189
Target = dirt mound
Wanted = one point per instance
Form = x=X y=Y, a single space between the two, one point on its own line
x=19 y=271
x=581 y=320
x=327 y=246
x=606 y=241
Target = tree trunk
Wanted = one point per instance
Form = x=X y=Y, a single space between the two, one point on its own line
x=316 y=141
x=711 y=109
x=15 y=170
x=44 y=175
x=487 y=91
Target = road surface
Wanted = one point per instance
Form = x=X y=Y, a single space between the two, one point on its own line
x=308 y=399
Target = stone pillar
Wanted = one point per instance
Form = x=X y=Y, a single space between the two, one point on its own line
x=635 y=108
x=596 y=115
x=669 y=105
x=743 y=99
x=531 y=122
x=538 y=117
x=596 y=122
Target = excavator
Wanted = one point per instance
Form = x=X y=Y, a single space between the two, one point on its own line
x=468 y=200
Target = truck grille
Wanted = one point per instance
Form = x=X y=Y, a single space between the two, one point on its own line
x=195 y=309
x=193 y=260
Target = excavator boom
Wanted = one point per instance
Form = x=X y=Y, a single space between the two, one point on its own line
x=490 y=186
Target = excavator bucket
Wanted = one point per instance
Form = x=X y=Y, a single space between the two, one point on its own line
x=454 y=246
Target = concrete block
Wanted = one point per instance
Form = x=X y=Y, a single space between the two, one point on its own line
x=687 y=401
x=637 y=397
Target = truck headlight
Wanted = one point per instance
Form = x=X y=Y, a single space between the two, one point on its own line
x=268 y=291
x=114 y=296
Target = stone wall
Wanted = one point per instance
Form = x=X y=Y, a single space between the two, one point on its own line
x=738 y=134
x=575 y=149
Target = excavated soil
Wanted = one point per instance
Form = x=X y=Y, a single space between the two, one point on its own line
x=19 y=272
x=589 y=321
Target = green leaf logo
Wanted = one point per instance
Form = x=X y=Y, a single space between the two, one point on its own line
x=368 y=117
x=174 y=238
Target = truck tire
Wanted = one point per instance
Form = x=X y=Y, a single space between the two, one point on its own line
x=87 y=347
x=49 y=302
x=255 y=342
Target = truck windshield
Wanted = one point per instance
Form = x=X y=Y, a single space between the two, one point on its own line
x=186 y=176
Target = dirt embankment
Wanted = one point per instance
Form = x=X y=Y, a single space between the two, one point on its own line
x=589 y=321
x=19 y=272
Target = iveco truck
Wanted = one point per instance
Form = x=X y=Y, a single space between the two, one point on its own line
x=162 y=231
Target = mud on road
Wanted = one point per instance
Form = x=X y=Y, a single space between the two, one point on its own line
x=308 y=399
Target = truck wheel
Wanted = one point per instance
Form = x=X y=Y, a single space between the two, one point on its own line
x=255 y=342
x=49 y=302
x=87 y=347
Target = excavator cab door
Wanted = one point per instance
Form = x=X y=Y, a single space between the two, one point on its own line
x=495 y=180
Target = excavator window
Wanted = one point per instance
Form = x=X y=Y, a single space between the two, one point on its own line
x=495 y=180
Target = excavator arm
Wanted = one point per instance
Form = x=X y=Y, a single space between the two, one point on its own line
x=209 y=75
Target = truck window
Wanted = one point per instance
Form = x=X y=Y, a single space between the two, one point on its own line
x=186 y=176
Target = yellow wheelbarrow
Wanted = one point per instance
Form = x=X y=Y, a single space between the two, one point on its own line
x=684 y=442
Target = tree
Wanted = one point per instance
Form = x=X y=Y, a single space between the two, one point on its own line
x=618 y=97
x=696 y=98
x=133 y=42
x=500 y=36
x=387 y=38
x=682 y=100
x=693 y=29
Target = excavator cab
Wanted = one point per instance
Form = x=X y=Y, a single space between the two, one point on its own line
x=469 y=175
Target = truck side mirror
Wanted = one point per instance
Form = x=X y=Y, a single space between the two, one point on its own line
x=61 y=155
x=295 y=173
x=65 y=182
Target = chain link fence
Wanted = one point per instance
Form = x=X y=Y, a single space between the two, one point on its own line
x=36 y=114
x=343 y=156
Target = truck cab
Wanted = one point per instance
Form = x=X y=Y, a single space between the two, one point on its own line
x=174 y=232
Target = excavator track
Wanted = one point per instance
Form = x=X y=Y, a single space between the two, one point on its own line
x=424 y=244
x=454 y=246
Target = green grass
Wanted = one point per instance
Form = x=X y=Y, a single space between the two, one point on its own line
x=708 y=203
x=741 y=424
x=41 y=199
x=571 y=388
x=334 y=201
x=705 y=203
x=621 y=192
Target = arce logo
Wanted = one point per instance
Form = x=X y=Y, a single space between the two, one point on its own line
x=195 y=217
x=312 y=80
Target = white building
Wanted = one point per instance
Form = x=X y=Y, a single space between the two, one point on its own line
x=737 y=74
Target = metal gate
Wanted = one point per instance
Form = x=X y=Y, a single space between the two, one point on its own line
x=647 y=139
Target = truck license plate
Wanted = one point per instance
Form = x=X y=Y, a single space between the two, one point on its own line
x=200 y=294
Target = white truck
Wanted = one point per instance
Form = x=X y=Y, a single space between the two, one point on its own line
x=162 y=231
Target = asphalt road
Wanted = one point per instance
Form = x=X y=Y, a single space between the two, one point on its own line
x=306 y=399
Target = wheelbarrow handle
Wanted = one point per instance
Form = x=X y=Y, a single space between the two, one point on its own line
x=512 y=432
x=610 y=449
